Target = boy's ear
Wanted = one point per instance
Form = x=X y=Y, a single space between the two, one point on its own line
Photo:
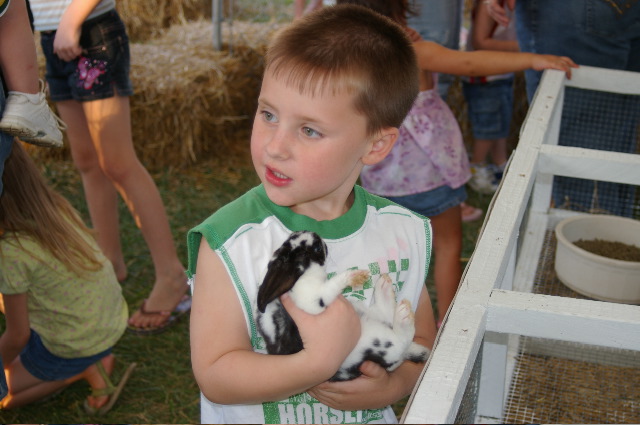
x=381 y=145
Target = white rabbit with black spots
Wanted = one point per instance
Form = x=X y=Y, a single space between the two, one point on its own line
x=298 y=267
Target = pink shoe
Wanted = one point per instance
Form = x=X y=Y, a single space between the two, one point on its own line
x=470 y=213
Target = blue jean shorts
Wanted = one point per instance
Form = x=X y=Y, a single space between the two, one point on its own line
x=433 y=202
x=490 y=107
x=101 y=69
x=46 y=366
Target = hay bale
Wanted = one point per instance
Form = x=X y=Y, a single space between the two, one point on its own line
x=146 y=19
x=190 y=99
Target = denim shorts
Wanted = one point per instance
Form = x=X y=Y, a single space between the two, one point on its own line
x=433 y=202
x=103 y=65
x=46 y=366
x=6 y=141
x=490 y=107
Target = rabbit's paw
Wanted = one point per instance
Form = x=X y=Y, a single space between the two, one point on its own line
x=385 y=298
x=357 y=279
x=404 y=320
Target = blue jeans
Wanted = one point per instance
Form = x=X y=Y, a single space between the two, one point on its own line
x=433 y=202
x=45 y=365
x=101 y=70
x=439 y=21
x=598 y=33
x=489 y=106
x=6 y=142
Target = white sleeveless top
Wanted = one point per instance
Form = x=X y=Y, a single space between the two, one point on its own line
x=374 y=235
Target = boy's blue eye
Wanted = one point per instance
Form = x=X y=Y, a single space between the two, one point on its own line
x=310 y=132
x=268 y=116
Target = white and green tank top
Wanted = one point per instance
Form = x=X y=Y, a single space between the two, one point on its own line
x=375 y=235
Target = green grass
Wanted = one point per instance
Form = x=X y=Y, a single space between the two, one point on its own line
x=162 y=389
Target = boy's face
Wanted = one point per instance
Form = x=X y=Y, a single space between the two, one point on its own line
x=308 y=150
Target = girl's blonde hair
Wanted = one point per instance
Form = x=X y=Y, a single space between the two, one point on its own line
x=28 y=206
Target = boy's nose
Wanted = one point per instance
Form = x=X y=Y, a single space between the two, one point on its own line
x=277 y=146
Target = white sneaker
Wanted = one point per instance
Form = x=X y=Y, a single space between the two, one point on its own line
x=34 y=123
x=482 y=180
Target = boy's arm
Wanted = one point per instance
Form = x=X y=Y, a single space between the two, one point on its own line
x=482 y=32
x=226 y=368
x=67 y=41
x=376 y=388
x=436 y=58
x=17 y=332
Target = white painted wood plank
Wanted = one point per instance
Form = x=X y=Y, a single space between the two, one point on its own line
x=590 y=164
x=533 y=241
x=492 y=390
x=440 y=389
x=567 y=319
x=610 y=80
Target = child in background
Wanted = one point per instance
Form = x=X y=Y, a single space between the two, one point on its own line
x=490 y=102
x=428 y=167
x=27 y=114
x=86 y=48
x=337 y=84
x=63 y=305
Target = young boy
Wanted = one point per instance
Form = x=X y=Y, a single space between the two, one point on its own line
x=337 y=85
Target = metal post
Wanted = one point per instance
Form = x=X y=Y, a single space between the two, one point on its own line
x=217 y=16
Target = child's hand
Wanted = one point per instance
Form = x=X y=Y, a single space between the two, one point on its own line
x=328 y=337
x=563 y=63
x=67 y=43
x=369 y=391
x=413 y=34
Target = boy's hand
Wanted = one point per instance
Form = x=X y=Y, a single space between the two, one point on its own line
x=563 y=63
x=328 y=337
x=371 y=390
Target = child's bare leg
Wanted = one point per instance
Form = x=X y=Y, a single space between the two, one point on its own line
x=499 y=151
x=18 y=50
x=447 y=248
x=95 y=380
x=25 y=388
x=480 y=150
x=100 y=193
x=110 y=128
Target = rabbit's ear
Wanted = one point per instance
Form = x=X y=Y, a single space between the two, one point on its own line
x=280 y=279
x=288 y=263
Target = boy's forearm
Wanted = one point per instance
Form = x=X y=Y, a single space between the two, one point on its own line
x=245 y=377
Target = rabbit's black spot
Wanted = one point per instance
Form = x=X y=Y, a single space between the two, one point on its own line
x=376 y=342
x=388 y=344
x=418 y=358
x=321 y=302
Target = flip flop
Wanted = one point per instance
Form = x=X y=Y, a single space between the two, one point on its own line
x=171 y=317
x=111 y=390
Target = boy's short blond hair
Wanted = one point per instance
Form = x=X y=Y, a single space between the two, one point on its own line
x=350 y=48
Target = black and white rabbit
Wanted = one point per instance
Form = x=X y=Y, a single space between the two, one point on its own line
x=298 y=266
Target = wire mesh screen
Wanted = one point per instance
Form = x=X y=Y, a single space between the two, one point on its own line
x=604 y=121
x=563 y=382
x=469 y=404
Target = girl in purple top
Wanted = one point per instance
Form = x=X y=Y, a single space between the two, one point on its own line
x=428 y=167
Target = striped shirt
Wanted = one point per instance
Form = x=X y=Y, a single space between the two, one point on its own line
x=48 y=13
